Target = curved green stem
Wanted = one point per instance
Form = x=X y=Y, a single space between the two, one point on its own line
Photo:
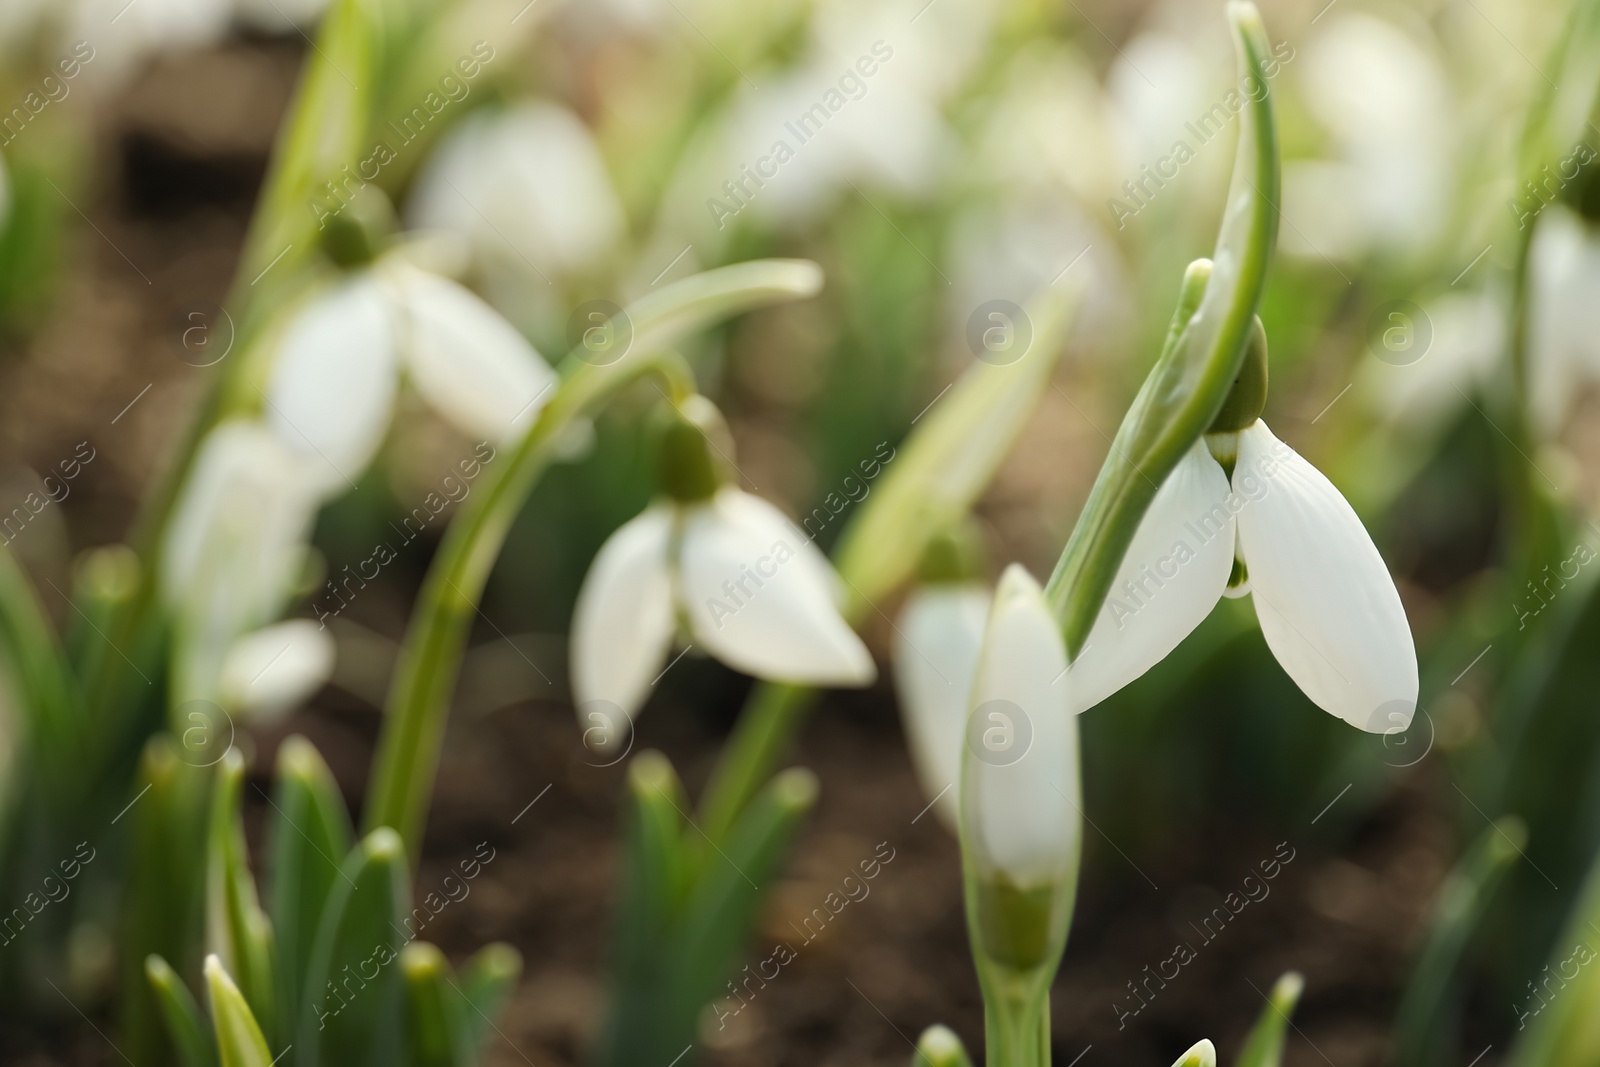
x=419 y=699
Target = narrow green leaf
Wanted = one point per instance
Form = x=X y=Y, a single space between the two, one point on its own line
x=166 y=887
x=191 y=1035
x=47 y=696
x=237 y=931
x=1189 y=383
x=310 y=837
x=1202 y=1054
x=350 y=1009
x=239 y=1038
x=940 y=1047
x=326 y=129
x=485 y=985
x=722 y=906
x=418 y=704
x=1264 y=1046
x=947 y=460
x=1423 y=1036
x=1559 y=1025
x=437 y=1039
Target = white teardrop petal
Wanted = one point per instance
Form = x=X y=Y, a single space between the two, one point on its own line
x=1328 y=608
x=622 y=628
x=1020 y=760
x=937 y=640
x=270 y=672
x=758 y=599
x=1176 y=569
x=331 y=389
x=468 y=361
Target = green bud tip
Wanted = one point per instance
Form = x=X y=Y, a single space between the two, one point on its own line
x=422 y=959
x=1286 y=991
x=1248 y=397
x=694 y=446
x=109 y=573
x=650 y=771
x=499 y=960
x=953 y=555
x=795 y=789
x=298 y=758
x=157 y=969
x=384 y=845
x=1203 y=1054
x=940 y=1047
x=361 y=230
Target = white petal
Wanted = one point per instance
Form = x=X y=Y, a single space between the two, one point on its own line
x=937 y=641
x=527 y=184
x=276 y=669
x=1176 y=568
x=246 y=502
x=467 y=361
x=622 y=627
x=234 y=550
x=1020 y=760
x=332 y=385
x=1328 y=608
x=758 y=596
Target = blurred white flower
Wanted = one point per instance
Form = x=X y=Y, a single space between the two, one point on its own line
x=124 y=34
x=1019 y=788
x=1563 y=314
x=1468 y=337
x=1327 y=606
x=1156 y=86
x=748 y=586
x=527 y=186
x=1385 y=100
x=331 y=391
x=938 y=638
x=235 y=546
x=272 y=671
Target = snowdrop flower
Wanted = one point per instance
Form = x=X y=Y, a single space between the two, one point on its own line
x=1563 y=314
x=1019 y=790
x=1274 y=528
x=525 y=186
x=235 y=546
x=274 y=670
x=727 y=567
x=1385 y=99
x=332 y=386
x=937 y=640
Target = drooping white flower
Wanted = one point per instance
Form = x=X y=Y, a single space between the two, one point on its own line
x=748 y=586
x=1563 y=314
x=235 y=546
x=275 y=669
x=938 y=638
x=527 y=186
x=1327 y=605
x=332 y=386
x=1020 y=780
